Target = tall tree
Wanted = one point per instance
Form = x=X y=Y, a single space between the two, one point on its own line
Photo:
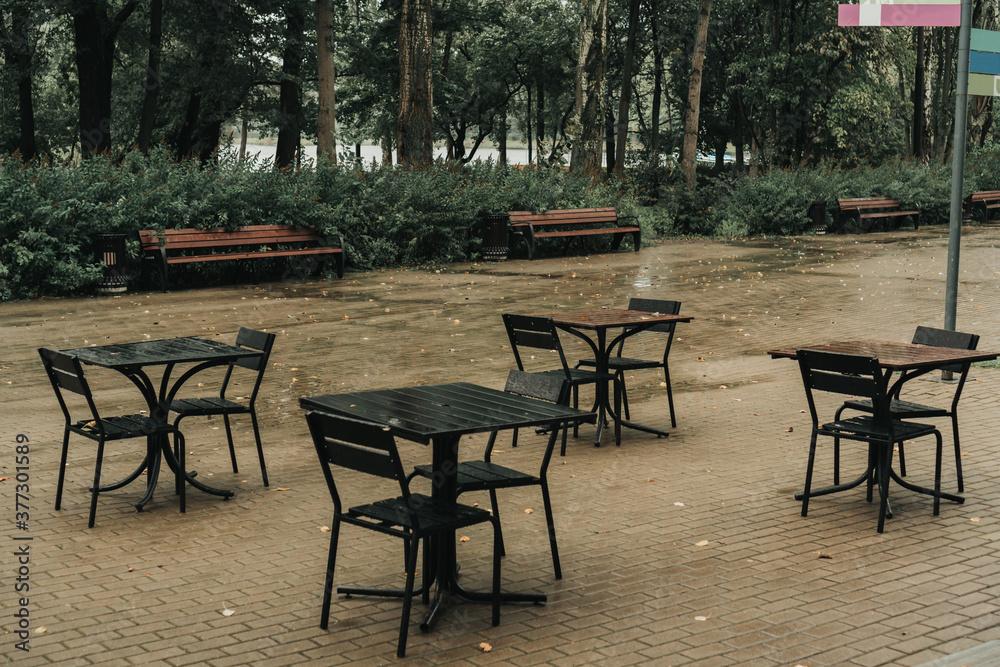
x=591 y=66
x=17 y=52
x=95 y=34
x=290 y=91
x=326 y=138
x=626 y=95
x=414 y=135
x=690 y=146
x=152 y=87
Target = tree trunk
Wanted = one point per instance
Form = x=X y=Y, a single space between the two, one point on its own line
x=609 y=140
x=326 y=122
x=623 y=102
x=152 y=90
x=918 y=98
x=17 y=51
x=95 y=35
x=290 y=93
x=415 y=138
x=502 y=143
x=540 y=121
x=690 y=146
x=591 y=66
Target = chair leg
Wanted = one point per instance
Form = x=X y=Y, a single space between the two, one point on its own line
x=885 y=460
x=550 y=523
x=229 y=437
x=62 y=468
x=425 y=586
x=331 y=562
x=902 y=461
x=97 y=484
x=576 y=405
x=496 y=513
x=619 y=396
x=181 y=471
x=404 y=624
x=809 y=474
x=670 y=396
x=937 y=476
x=958 y=452
x=620 y=377
x=496 y=572
x=260 y=449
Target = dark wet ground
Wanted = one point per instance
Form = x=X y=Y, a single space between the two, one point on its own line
x=405 y=327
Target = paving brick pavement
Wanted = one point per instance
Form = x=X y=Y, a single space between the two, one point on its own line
x=681 y=551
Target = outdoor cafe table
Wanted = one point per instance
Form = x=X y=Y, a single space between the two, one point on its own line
x=600 y=320
x=132 y=360
x=910 y=360
x=440 y=415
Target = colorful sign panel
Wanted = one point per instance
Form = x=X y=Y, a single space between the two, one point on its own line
x=902 y=13
x=984 y=63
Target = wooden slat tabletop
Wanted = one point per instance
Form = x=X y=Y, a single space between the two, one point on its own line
x=894 y=356
x=427 y=412
x=604 y=318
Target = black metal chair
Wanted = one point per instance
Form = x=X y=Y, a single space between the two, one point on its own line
x=66 y=375
x=906 y=410
x=220 y=405
x=371 y=449
x=621 y=365
x=861 y=376
x=530 y=331
x=488 y=476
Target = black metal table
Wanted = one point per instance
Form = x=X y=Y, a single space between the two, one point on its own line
x=132 y=360
x=440 y=415
x=600 y=320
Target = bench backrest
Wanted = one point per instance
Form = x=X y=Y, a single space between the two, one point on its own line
x=867 y=202
x=985 y=195
x=180 y=239
x=565 y=217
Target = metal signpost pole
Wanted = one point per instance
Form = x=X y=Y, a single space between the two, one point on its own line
x=958 y=166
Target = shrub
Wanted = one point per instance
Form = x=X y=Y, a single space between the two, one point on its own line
x=387 y=215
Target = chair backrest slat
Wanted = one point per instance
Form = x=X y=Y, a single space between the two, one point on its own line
x=945 y=338
x=534 y=332
x=254 y=340
x=850 y=374
x=360 y=446
x=657 y=306
x=543 y=387
x=64 y=371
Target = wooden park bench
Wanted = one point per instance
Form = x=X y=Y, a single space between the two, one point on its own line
x=863 y=213
x=186 y=246
x=982 y=204
x=568 y=224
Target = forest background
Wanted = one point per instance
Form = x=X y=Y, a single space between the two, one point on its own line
x=120 y=115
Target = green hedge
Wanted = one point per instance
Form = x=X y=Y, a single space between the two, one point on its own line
x=50 y=213
x=776 y=203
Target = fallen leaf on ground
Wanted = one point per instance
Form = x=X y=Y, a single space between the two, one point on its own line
x=226 y=611
x=282 y=488
x=703 y=543
x=324 y=529
x=823 y=555
x=463 y=538
x=679 y=504
x=789 y=429
x=485 y=646
x=974 y=519
x=529 y=511
x=41 y=630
